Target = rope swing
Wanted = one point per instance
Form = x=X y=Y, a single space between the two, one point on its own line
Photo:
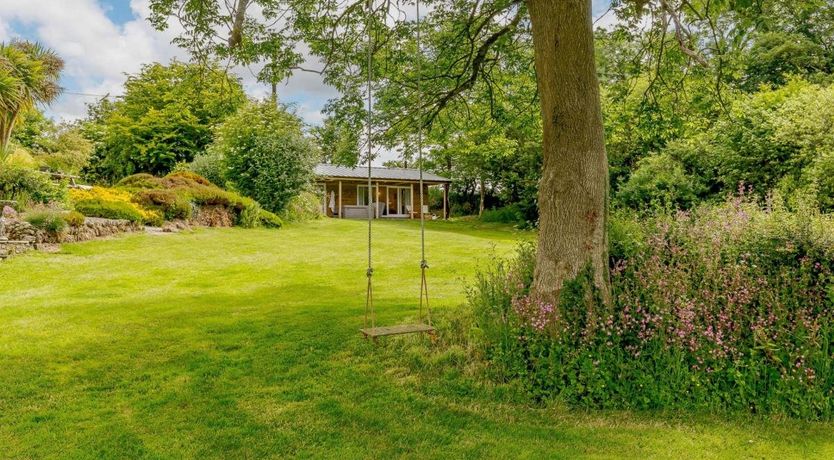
x=370 y=311
x=369 y=296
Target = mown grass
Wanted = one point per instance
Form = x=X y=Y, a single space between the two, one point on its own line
x=243 y=343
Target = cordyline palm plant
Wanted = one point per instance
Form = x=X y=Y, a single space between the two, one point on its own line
x=29 y=74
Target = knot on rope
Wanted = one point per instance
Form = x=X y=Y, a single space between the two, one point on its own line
x=370 y=272
x=424 y=264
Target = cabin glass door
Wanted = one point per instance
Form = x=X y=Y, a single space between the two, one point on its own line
x=403 y=200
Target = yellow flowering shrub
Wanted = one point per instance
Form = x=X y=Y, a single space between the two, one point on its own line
x=153 y=200
x=99 y=193
x=111 y=203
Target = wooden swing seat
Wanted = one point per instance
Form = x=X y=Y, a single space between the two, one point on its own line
x=402 y=329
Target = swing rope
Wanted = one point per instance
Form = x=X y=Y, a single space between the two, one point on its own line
x=370 y=311
x=424 y=286
x=369 y=300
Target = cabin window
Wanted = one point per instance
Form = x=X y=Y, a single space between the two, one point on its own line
x=362 y=195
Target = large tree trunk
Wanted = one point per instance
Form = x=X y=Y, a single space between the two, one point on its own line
x=573 y=192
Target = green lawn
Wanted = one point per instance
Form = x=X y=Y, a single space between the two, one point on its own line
x=243 y=343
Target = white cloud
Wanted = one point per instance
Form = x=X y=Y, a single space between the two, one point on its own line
x=304 y=89
x=310 y=113
x=98 y=53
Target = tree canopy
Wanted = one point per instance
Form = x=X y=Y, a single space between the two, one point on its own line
x=485 y=73
x=29 y=76
x=265 y=154
x=167 y=115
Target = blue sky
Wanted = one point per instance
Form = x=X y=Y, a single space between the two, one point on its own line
x=118 y=11
x=101 y=40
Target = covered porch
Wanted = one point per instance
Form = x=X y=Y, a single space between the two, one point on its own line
x=394 y=192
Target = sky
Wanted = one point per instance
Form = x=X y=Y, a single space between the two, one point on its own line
x=102 y=40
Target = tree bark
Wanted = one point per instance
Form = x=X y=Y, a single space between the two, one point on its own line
x=448 y=204
x=7 y=125
x=236 y=33
x=482 y=189
x=573 y=192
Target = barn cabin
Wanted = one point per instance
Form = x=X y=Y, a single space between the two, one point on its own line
x=394 y=193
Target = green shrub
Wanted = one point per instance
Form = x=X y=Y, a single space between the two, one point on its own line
x=213 y=196
x=626 y=236
x=27 y=185
x=211 y=165
x=66 y=150
x=727 y=307
x=660 y=181
x=46 y=219
x=112 y=203
x=462 y=209
x=302 y=207
x=267 y=156
x=65 y=162
x=270 y=220
x=111 y=210
x=253 y=216
x=816 y=180
x=60 y=148
x=74 y=218
x=490 y=299
x=769 y=140
x=506 y=215
x=185 y=178
x=173 y=196
x=140 y=181
x=19 y=157
x=250 y=215
x=171 y=204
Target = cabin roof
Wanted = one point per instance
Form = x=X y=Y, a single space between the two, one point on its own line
x=377 y=173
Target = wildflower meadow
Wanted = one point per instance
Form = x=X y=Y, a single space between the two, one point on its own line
x=727 y=307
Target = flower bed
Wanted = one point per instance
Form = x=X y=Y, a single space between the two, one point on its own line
x=111 y=203
x=725 y=308
x=151 y=200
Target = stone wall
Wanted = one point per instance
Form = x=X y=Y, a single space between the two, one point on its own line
x=98 y=228
x=213 y=216
x=23 y=231
x=9 y=248
x=21 y=236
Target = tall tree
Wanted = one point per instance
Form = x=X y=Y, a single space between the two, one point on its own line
x=29 y=76
x=167 y=115
x=574 y=186
x=468 y=41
